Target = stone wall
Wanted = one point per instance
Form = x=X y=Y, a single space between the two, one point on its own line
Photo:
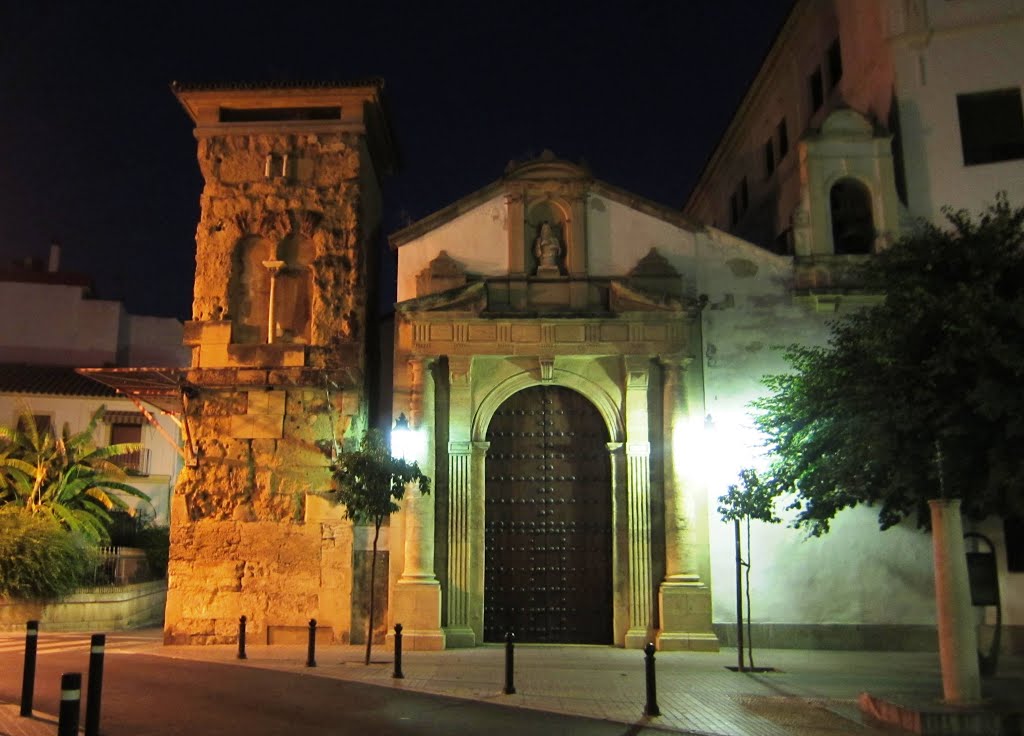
x=107 y=608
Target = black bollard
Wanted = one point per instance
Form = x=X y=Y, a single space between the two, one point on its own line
x=651 y=709
x=311 y=651
x=398 y=653
x=70 y=703
x=241 y=638
x=28 y=676
x=510 y=688
x=95 y=695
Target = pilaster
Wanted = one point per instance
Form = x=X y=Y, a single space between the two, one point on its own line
x=416 y=602
x=684 y=601
x=638 y=500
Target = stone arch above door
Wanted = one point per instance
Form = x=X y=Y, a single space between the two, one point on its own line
x=605 y=404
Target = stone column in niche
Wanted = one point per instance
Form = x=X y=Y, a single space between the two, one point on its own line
x=684 y=601
x=638 y=501
x=459 y=631
x=417 y=594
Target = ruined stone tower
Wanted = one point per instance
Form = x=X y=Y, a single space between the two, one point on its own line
x=284 y=274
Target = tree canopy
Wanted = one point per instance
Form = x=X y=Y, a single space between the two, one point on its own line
x=919 y=396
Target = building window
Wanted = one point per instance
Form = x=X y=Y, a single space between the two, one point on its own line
x=817 y=90
x=43 y=422
x=783 y=136
x=835 y=64
x=853 y=228
x=1013 y=534
x=991 y=126
x=137 y=461
x=769 y=158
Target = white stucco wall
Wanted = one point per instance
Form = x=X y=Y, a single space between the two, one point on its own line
x=477 y=239
x=45 y=321
x=986 y=56
x=855 y=574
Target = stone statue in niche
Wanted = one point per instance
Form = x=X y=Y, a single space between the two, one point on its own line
x=547 y=249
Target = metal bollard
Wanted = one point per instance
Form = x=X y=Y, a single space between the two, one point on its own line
x=241 y=638
x=70 y=703
x=397 y=674
x=651 y=709
x=95 y=694
x=510 y=688
x=311 y=651
x=28 y=677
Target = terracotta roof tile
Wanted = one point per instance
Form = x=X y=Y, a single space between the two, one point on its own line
x=49 y=379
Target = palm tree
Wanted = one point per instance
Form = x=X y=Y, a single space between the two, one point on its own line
x=67 y=478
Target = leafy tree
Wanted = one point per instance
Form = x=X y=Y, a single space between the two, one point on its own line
x=39 y=559
x=918 y=396
x=370 y=483
x=65 y=477
x=749 y=500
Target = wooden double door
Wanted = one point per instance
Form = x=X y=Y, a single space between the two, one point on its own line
x=548 y=520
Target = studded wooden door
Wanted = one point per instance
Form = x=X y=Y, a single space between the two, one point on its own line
x=548 y=535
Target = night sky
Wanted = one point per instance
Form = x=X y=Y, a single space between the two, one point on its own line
x=97 y=154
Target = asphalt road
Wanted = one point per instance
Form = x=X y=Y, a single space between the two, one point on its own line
x=157 y=696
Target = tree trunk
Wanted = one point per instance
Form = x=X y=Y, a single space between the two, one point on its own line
x=958 y=636
x=373 y=584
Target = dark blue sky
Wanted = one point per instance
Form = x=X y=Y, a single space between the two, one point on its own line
x=96 y=153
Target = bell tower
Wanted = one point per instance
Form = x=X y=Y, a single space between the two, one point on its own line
x=284 y=272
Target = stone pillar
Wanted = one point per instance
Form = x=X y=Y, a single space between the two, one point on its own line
x=417 y=594
x=638 y=503
x=684 y=601
x=459 y=631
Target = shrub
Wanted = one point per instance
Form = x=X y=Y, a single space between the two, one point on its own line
x=39 y=559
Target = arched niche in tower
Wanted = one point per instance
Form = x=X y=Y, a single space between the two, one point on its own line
x=294 y=288
x=249 y=289
x=853 y=225
x=547 y=234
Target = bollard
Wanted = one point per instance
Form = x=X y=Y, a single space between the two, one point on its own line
x=241 y=638
x=510 y=688
x=397 y=674
x=70 y=703
x=28 y=676
x=651 y=709
x=311 y=651
x=95 y=693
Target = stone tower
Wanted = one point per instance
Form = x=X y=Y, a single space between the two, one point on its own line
x=284 y=274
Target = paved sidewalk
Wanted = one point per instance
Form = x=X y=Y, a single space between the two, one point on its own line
x=12 y=724
x=813 y=693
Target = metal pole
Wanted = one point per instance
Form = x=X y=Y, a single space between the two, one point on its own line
x=398 y=653
x=311 y=651
x=28 y=678
x=241 y=638
x=95 y=695
x=510 y=688
x=739 y=596
x=651 y=709
x=70 y=703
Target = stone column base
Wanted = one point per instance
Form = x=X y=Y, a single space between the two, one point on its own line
x=459 y=637
x=418 y=641
x=416 y=604
x=637 y=638
x=686 y=618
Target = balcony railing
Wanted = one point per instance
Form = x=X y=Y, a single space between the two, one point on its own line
x=121 y=566
x=134 y=463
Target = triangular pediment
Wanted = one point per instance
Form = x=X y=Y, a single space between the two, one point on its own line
x=623 y=297
x=471 y=298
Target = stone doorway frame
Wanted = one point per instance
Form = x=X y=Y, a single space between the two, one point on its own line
x=467 y=460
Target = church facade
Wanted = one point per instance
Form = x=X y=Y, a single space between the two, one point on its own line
x=578 y=362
